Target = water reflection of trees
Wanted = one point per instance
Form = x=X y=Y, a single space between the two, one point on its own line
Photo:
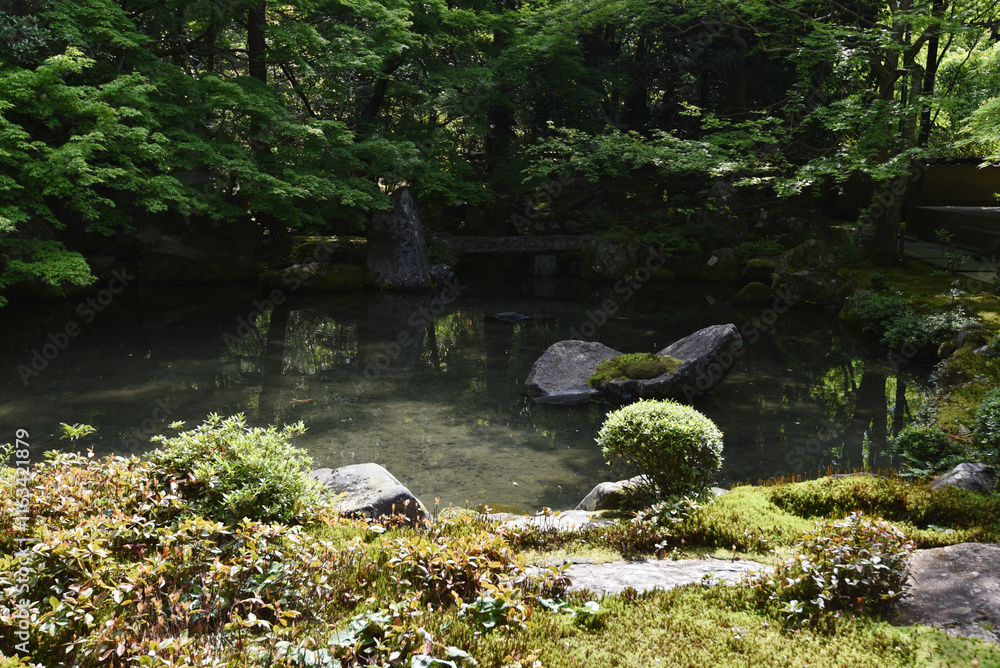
x=839 y=410
x=802 y=399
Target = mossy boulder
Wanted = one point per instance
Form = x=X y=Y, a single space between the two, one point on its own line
x=753 y=294
x=317 y=277
x=562 y=374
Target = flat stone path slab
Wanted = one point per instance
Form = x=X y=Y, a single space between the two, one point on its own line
x=616 y=576
x=955 y=589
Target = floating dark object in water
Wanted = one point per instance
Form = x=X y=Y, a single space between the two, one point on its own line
x=510 y=316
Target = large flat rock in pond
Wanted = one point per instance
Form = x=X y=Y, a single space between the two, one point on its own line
x=370 y=490
x=560 y=375
x=956 y=589
x=706 y=358
x=616 y=576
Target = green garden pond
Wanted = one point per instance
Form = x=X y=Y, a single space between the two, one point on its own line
x=431 y=387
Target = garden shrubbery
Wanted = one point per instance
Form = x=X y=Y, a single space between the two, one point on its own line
x=928 y=449
x=890 y=316
x=986 y=426
x=228 y=471
x=853 y=565
x=674 y=446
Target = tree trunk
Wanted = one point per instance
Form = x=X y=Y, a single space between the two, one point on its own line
x=274 y=366
x=930 y=75
x=869 y=420
x=256 y=45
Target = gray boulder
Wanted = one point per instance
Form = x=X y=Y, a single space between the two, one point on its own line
x=817 y=287
x=397 y=254
x=706 y=358
x=723 y=266
x=567 y=520
x=812 y=255
x=612 y=260
x=808 y=273
x=441 y=273
x=608 y=495
x=977 y=477
x=560 y=375
x=371 y=491
x=956 y=589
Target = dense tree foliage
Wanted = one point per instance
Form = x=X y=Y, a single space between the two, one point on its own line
x=301 y=116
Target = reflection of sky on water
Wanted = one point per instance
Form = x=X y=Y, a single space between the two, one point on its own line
x=432 y=391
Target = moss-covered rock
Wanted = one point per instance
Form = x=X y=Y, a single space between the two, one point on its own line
x=753 y=294
x=633 y=365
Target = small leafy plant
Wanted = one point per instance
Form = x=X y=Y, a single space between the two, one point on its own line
x=993 y=347
x=677 y=448
x=853 y=565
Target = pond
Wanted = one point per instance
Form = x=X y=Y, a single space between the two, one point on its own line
x=431 y=388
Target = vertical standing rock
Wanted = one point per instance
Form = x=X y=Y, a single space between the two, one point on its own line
x=397 y=254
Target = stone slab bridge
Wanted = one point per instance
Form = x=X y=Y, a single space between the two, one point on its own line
x=554 y=243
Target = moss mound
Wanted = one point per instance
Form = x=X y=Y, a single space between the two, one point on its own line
x=639 y=366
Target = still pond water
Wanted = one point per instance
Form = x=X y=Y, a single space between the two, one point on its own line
x=432 y=389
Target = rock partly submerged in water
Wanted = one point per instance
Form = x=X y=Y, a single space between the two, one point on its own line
x=610 y=495
x=561 y=375
x=371 y=491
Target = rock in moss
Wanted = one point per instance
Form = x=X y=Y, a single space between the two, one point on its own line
x=371 y=491
x=612 y=495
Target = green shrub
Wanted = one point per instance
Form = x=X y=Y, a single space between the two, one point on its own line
x=878 y=281
x=889 y=316
x=855 y=564
x=993 y=347
x=759 y=248
x=228 y=471
x=928 y=449
x=986 y=425
x=677 y=448
x=633 y=365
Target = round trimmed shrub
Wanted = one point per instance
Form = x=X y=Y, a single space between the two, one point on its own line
x=677 y=448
